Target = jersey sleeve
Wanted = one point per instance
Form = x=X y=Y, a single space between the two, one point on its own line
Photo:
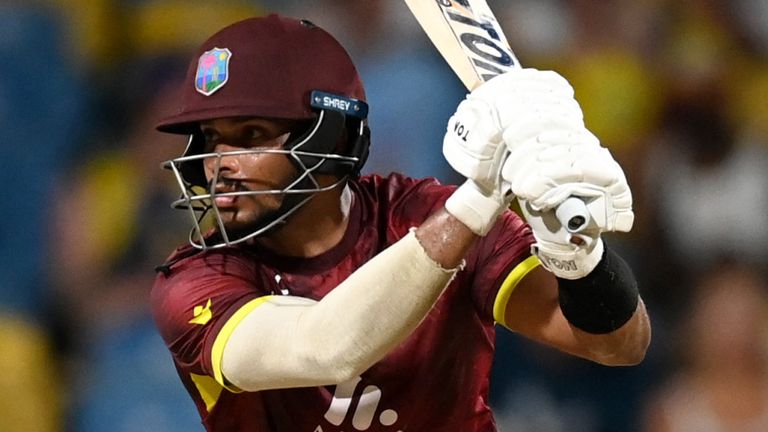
x=495 y=263
x=412 y=201
x=498 y=261
x=196 y=301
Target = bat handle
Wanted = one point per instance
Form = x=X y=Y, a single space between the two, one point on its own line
x=573 y=214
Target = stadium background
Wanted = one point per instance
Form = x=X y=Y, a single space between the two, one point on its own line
x=677 y=89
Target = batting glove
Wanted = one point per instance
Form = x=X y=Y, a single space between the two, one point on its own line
x=560 y=165
x=527 y=102
x=473 y=146
x=476 y=142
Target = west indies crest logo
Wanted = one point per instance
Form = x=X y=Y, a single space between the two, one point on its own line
x=212 y=70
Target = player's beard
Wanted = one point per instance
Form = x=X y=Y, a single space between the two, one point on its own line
x=238 y=229
x=260 y=212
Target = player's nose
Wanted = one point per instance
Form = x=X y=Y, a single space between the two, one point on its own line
x=224 y=160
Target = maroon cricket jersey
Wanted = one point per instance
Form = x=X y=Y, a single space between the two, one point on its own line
x=437 y=380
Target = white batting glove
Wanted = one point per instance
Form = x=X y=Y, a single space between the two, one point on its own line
x=475 y=143
x=474 y=148
x=560 y=165
x=528 y=102
x=555 y=248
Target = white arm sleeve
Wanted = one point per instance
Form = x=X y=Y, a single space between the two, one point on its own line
x=294 y=342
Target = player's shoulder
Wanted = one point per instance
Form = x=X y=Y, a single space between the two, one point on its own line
x=397 y=186
x=193 y=278
x=187 y=264
x=398 y=201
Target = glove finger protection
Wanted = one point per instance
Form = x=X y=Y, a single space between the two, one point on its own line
x=531 y=121
x=591 y=173
x=522 y=100
x=530 y=101
x=524 y=80
x=473 y=147
x=472 y=144
x=546 y=173
x=553 y=157
x=546 y=161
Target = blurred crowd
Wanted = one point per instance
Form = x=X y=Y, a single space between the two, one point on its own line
x=676 y=89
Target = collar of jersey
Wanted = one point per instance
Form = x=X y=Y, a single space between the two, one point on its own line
x=327 y=259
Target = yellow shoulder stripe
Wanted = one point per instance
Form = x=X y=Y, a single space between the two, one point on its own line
x=508 y=286
x=209 y=389
x=217 y=352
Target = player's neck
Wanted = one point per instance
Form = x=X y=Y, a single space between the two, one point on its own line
x=315 y=228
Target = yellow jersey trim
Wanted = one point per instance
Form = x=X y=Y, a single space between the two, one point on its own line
x=217 y=352
x=208 y=388
x=508 y=286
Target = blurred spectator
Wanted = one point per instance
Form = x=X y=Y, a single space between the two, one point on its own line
x=112 y=225
x=33 y=395
x=722 y=384
x=710 y=188
x=106 y=33
x=752 y=15
x=41 y=102
x=701 y=189
x=539 y=390
x=705 y=190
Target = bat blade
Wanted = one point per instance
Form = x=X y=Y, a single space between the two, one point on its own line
x=468 y=36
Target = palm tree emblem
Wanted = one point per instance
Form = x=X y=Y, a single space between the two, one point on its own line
x=212 y=70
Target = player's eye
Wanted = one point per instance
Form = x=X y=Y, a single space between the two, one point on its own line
x=256 y=134
x=260 y=137
x=211 y=138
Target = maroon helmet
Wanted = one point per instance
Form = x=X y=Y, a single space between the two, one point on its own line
x=273 y=67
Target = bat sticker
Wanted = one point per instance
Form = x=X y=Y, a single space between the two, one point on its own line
x=480 y=37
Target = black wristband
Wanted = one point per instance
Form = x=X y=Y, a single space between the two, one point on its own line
x=602 y=301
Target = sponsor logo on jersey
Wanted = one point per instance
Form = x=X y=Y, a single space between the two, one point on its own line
x=362 y=405
x=202 y=314
x=212 y=70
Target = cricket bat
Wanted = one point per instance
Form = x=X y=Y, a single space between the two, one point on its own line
x=468 y=36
